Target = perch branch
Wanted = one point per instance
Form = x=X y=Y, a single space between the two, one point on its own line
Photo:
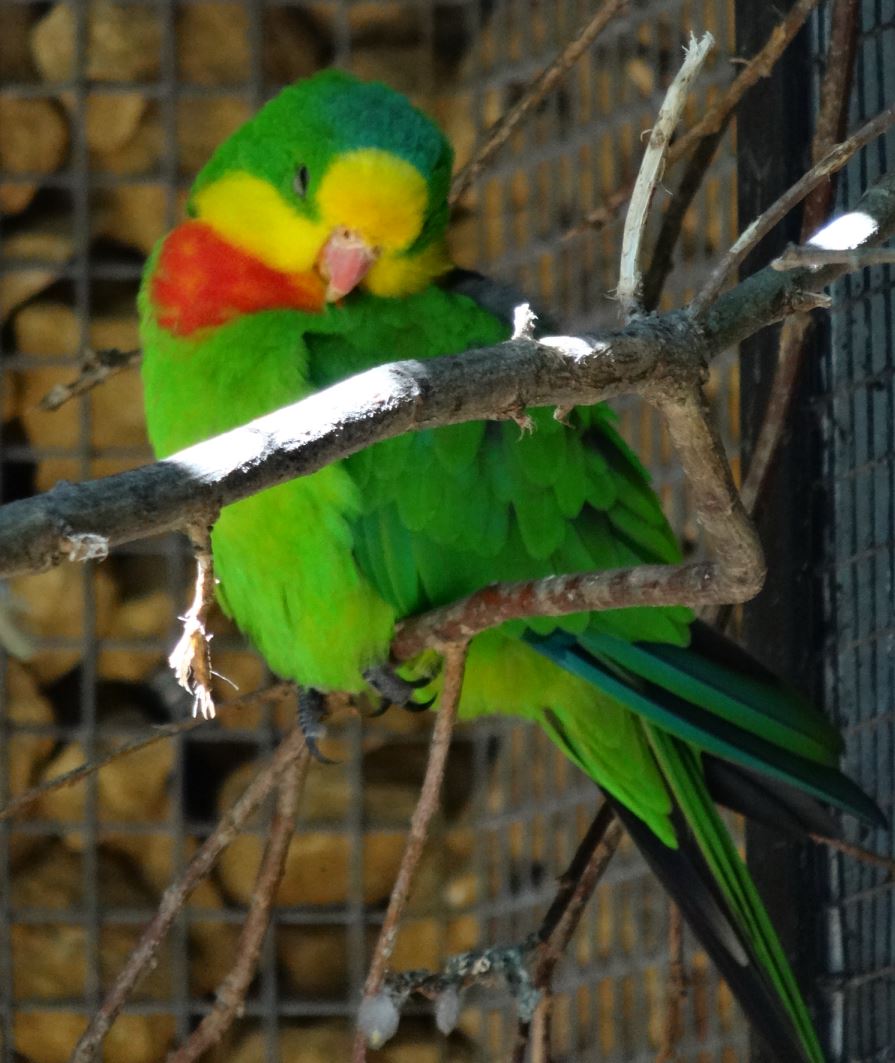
x=546 y=81
x=231 y=993
x=491 y=383
x=833 y=161
x=735 y=575
x=630 y=282
x=176 y=894
x=426 y=807
x=759 y=66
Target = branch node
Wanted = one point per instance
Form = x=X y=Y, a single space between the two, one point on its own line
x=83 y=546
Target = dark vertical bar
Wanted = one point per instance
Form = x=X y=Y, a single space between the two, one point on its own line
x=774 y=133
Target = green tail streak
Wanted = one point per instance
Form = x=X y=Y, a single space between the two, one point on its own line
x=688 y=706
x=682 y=771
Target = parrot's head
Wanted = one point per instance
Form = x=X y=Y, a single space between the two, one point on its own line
x=336 y=177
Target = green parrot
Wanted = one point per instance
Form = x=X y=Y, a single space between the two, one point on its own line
x=314 y=249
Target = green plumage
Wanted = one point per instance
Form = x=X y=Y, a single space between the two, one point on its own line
x=317 y=571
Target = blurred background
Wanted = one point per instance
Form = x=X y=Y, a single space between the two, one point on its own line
x=107 y=111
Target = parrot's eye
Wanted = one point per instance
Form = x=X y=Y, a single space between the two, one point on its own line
x=301 y=181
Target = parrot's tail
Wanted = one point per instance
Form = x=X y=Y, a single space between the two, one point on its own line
x=721 y=728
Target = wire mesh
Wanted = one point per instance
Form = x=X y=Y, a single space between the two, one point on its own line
x=857 y=422
x=122 y=102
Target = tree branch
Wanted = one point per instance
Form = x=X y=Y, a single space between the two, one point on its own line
x=231 y=993
x=833 y=161
x=661 y=354
x=370 y=1030
x=759 y=66
x=546 y=81
x=175 y=896
x=630 y=282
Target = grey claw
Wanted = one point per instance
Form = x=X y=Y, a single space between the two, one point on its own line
x=311 y=710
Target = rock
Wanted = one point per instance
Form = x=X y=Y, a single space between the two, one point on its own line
x=52 y=606
x=315 y=958
x=111 y=120
x=16 y=63
x=136 y=215
x=49 y=245
x=149 y=616
x=214 y=44
x=26 y=754
x=50 y=959
x=139 y=153
x=123 y=42
x=203 y=124
x=51 y=330
x=33 y=139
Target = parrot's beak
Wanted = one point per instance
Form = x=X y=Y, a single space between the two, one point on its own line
x=344 y=261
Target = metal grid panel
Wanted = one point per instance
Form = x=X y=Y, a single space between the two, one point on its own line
x=857 y=426
x=77 y=247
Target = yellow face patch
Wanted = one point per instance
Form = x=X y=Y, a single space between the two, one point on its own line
x=250 y=213
x=379 y=196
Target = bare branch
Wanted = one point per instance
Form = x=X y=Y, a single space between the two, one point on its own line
x=576 y=885
x=735 y=576
x=549 y=78
x=426 y=807
x=807 y=257
x=759 y=66
x=834 y=160
x=175 y=896
x=158 y=734
x=231 y=993
x=857 y=852
x=676 y=990
x=96 y=367
x=630 y=281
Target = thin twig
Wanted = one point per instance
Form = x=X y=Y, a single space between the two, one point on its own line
x=231 y=993
x=804 y=256
x=546 y=81
x=576 y=886
x=96 y=368
x=630 y=281
x=759 y=66
x=857 y=852
x=168 y=730
x=191 y=658
x=426 y=807
x=673 y=218
x=175 y=896
x=792 y=339
x=677 y=987
x=833 y=161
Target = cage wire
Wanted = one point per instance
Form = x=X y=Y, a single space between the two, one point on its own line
x=107 y=110
x=856 y=422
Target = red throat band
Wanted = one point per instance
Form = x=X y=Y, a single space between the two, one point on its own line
x=201 y=281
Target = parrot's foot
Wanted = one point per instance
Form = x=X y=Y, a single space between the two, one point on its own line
x=311 y=711
x=395 y=690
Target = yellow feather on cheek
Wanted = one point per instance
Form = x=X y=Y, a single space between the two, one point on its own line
x=379 y=196
x=251 y=214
